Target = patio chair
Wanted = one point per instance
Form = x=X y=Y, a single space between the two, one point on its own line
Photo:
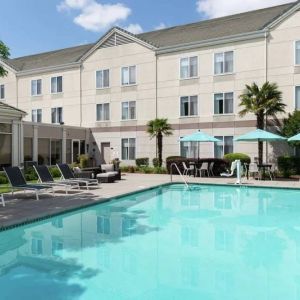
x=18 y=182
x=186 y=170
x=253 y=169
x=67 y=174
x=46 y=177
x=203 y=168
x=232 y=169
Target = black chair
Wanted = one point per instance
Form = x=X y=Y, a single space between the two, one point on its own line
x=18 y=182
x=67 y=174
x=46 y=177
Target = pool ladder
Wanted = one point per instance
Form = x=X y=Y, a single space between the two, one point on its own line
x=182 y=177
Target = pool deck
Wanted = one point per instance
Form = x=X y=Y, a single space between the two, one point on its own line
x=22 y=208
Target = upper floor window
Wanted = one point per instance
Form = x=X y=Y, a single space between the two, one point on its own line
x=57 y=115
x=223 y=147
x=56 y=84
x=2 y=91
x=128 y=149
x=223 y=103
x=223 y=62
x=36 y=115
x=129 y=110
x=297 y=96
x=36 y=87
x=297 y=52
x=128 y=75
x=102 y=112
x=188 y=106
x=188 y=67
x=102 y=79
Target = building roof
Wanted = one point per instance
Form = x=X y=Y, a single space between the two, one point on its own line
x=195 y=32
x=11 y=110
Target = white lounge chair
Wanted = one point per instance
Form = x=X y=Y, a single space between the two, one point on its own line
x=2 y=200
x=186 y=170
x=203 y=169
x=232 y=169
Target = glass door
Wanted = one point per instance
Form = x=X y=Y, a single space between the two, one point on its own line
x=75 y=150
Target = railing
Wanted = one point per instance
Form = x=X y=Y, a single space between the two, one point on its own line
x=171 y=174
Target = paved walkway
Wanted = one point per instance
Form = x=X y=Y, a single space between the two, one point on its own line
x=22 y=207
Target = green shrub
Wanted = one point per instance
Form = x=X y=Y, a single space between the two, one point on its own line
x=144 y=161
x=83 y=161
x=3 y=178
x=30 y=174
x=131 y=169
x=289 y=165
x=155 y=162
x=55 y=172
x=231 y=157
x=160 y=170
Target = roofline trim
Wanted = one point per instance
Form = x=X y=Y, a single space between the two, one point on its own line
x=109 y=34
x=8 y=66
x=284 y=16
x=213 y=42
x=11 y=111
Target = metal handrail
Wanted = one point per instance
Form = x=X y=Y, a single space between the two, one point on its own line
x=171 y=174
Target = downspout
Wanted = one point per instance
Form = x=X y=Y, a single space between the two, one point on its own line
x=156 y=99
x=266 y=79
x=17 y=91
x=80 y=94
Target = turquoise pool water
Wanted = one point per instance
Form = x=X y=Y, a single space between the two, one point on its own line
x=211 y=242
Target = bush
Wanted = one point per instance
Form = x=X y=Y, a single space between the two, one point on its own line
x=155 y=162
x=160 y=170
x=55 y=172
x=231 y=157
x=83 y=161
x=30 y=174
x=289 y=165
x=3 y=178
x=144 y=161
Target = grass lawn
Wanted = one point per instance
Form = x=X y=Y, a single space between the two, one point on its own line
x=4 y=188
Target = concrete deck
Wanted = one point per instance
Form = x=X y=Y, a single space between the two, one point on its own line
x=21 y=208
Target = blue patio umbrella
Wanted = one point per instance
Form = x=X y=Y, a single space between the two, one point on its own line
x=199 y=137
x=295 y=138
x=259 y=135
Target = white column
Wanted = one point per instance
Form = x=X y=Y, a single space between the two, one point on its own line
x=17 y=143
x=64 y=146
x=35 y=143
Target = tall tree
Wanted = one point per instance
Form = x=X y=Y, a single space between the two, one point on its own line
x=159 y=128
x=291 y=126
x=4 y=54
x=263 y=102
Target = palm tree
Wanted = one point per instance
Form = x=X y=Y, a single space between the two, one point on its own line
x=263 y=102
x=158 y=128
x=4 y=54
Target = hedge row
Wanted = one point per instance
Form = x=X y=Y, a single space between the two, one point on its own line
x=288 y=165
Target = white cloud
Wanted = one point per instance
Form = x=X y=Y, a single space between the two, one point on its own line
x=219 y=8
x=95 y=16
x=160 y=26
x=134 y=28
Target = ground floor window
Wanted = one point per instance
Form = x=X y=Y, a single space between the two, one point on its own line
x=56 y=152
x=189 y=149
x=5 y=144
x=44 y=151
x=223 y=147
x=128 y=149
x=69 y=151
x=28 y=148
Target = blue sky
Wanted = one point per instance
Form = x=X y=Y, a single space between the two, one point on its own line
x=34 y=26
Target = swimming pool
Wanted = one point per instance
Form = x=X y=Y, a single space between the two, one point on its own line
x=210 y=242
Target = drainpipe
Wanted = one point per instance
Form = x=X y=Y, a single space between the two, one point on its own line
x=266 y=79
x=17 y=90
x=80 y=94
x=156 y=98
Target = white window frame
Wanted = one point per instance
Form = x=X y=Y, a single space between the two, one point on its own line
x=34 y=112
x=62 y=84
x=295 y=92
x=135 y=152
x=128 y=84
x=102 y=83
x=102 y=119
x=223 y=53
x=56 y=115
x=189 y=115
x=128 y=119
x=2 y=88
x=226 y=114
x=223 y=136
x=36 y=94
x=189 y=67
x=295 y=53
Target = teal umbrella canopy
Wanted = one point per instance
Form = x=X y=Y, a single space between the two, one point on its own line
x=295 y=138
x=199 y=136
x=259 y=135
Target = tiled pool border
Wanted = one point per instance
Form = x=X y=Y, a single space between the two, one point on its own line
x=105 y=200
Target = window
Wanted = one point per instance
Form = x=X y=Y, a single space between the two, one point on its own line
x=188 y=67
x=56 y=151
x=36 y=87
x=102 y=112
x=103 y=225
x=2 y=91
x=57 y=115
x=36 y=115
x=189 y=106
x=128 y=149
x=57 y=246
x=223 y=103
x=5 y=144
x=56 y=85
x=223 y=62
x=129 y=75
x=102 y=79
x=297 y=53
x=129 y=110
x=223 y=147
x=297 y=96
x=36 y=246
x=189 y=149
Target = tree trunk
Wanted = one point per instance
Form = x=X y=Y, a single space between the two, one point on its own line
x=260 y=125
x=159 y=148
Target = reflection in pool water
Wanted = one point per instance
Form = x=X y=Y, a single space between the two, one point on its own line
x=210 y=242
